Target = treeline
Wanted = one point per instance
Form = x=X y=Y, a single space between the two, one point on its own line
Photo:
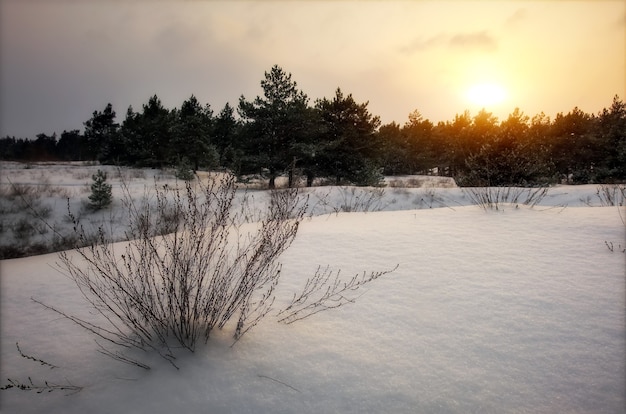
x=281 y=132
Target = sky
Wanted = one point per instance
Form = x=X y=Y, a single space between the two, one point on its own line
x=62 y=60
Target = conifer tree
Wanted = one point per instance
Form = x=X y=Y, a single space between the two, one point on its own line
x=101 y=195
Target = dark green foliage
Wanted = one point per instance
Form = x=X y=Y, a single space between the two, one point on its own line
x=191 y=132
x=72 y=146
x=350 y=146
x=276 y=123
x=101 y=135
x=226 y=138
x=184 y=170
x=507 y=158
x=279 y=133
x=101 y=194
x=149 y=135
x=612 y=133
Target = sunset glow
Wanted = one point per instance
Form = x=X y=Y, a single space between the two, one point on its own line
x=62 y=60
x=486 y=94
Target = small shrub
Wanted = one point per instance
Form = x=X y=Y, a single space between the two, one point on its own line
x=25 y=196
x=494 y=198
x=612 y=248
x=354 y=199
x=42 y=212
x=80 y=174
x=184 y=171
x=429 y=198
x=21 y=190
x=23 y=229
x=101 y=194
x=611 y=195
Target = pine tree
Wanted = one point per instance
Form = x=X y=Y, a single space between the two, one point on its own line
x=275 y=124
x=101 y=195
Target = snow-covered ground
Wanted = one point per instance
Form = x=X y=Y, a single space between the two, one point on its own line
x=490 y=311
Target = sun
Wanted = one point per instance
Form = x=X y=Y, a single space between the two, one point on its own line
x=486 y=94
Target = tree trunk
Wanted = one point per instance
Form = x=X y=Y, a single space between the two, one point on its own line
x=292 y=172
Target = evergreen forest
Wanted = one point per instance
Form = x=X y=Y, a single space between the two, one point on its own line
x=283 y=133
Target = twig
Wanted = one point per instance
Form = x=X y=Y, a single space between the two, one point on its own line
x=41 y=361
x=323 y=292
x=280 y=382
x=47 y=386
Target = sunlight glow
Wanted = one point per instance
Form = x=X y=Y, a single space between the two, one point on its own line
x=486 y=94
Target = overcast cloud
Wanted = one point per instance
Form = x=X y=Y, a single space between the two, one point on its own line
x=62 y=60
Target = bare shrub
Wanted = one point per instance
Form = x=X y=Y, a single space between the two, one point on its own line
x=19 y=190
x=429 y=198
x=611 y=195
x=325 y=290
x=612 y=248
x=80 y=174
x=354 y=199
x=494 y=198
x=23 y=229
x=58 y=192
x=157 y=293
x=24 y=195
x=361 y=199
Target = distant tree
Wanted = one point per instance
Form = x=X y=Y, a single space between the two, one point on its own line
x=43 y=148
x=275 y=123
x=101 y=193
x=131 y=135
x=455 y=136
x=507 y=157
x=191 y=135
x=611 y=131
x=351 y=143
x=15 y=149
x=395 y=150
x=71 y=146
x=7 y=148
x=420 y=145
x=147 y=135
x=101 y=131
x=539 y=130
x=307 y=149
x=573 y=146
x=226 y=137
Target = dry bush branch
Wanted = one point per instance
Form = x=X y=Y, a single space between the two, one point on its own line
x=353 y=199
x=326 y=290
x=611 y=195
x=494 y=198
x=40 y=388
x=30 y=385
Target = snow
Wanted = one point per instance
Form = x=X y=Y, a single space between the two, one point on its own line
x=510 y=311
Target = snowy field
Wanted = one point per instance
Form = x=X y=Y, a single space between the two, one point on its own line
x=515 y=310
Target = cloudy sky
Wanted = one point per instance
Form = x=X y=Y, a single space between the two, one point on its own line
x=61 y=60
